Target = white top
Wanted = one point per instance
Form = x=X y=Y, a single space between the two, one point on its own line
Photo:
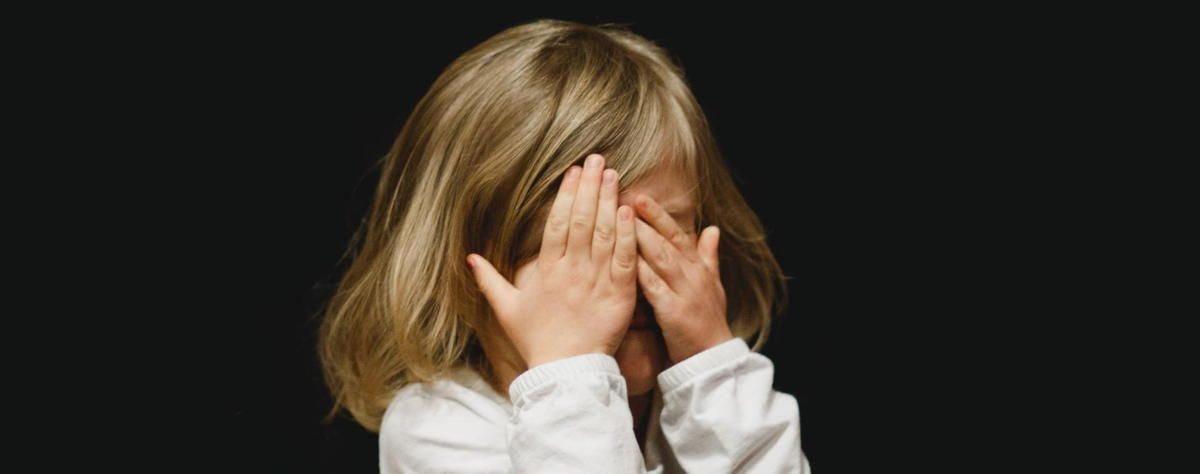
x=713 y=412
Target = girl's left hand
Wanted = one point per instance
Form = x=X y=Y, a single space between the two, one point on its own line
x=681 y=280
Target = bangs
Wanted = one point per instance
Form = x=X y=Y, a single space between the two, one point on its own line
x=614 y=93
x=658 y=135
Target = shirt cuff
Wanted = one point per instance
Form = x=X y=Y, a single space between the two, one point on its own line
x=594 y=363
x=699 y=363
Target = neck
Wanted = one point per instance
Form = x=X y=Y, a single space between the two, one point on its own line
x=501 y=369
x=503 y=363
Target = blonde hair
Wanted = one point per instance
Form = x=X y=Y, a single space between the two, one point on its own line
x=475 y=168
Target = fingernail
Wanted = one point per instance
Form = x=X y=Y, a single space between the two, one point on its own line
x=643 y=201
x=594 y=161
x=624 y=213
x=573 y=172
x=610 y=176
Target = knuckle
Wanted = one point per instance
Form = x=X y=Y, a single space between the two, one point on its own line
x=649 y=285
x=679 y=238
x=556 y=223
x=656 y=284
x=580 y=223
x=663 y=255
x=574 y=278
x=604 y=232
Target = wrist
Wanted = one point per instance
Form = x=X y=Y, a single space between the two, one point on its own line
x=581 y=367
x=701 y=363
x=545 y=357
x=701 y=344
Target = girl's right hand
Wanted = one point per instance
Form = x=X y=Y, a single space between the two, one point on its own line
x=579 y=296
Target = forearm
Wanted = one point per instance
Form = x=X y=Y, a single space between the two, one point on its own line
x=572 y=415
x=721 y=413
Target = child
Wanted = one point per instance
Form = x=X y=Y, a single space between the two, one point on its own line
x=592 y=329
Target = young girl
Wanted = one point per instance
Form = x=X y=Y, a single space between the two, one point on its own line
x=532 y=291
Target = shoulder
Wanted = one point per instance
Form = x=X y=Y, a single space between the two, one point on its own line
x=456 y=421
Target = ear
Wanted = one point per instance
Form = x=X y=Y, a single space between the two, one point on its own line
x=707 y=246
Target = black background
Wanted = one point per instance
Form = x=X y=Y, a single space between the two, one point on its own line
x=892 y=158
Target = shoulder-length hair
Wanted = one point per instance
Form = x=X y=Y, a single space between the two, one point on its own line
x=476 y=167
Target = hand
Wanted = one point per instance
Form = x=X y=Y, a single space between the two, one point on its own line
x=579 y=296
x=681 y=279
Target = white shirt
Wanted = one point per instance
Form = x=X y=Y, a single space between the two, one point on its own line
x=713 y=412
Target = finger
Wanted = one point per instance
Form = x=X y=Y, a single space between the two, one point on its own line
x=625 y=257
x=583 y=212
x=659 y=253
x=707 y=247
x=499 y=293
x=655 y=289
x=655 y=215
x=554 y=236
x=605 y=235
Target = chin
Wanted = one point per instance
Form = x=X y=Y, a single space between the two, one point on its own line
x=641 y=357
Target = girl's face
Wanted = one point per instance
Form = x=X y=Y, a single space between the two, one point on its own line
x=642 y=354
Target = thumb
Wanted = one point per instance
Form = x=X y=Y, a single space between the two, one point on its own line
x=494 y=286
x=707 y=246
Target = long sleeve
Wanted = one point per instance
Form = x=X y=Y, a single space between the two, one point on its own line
x=572 y=415
x=721 y=414
x=569 y=415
